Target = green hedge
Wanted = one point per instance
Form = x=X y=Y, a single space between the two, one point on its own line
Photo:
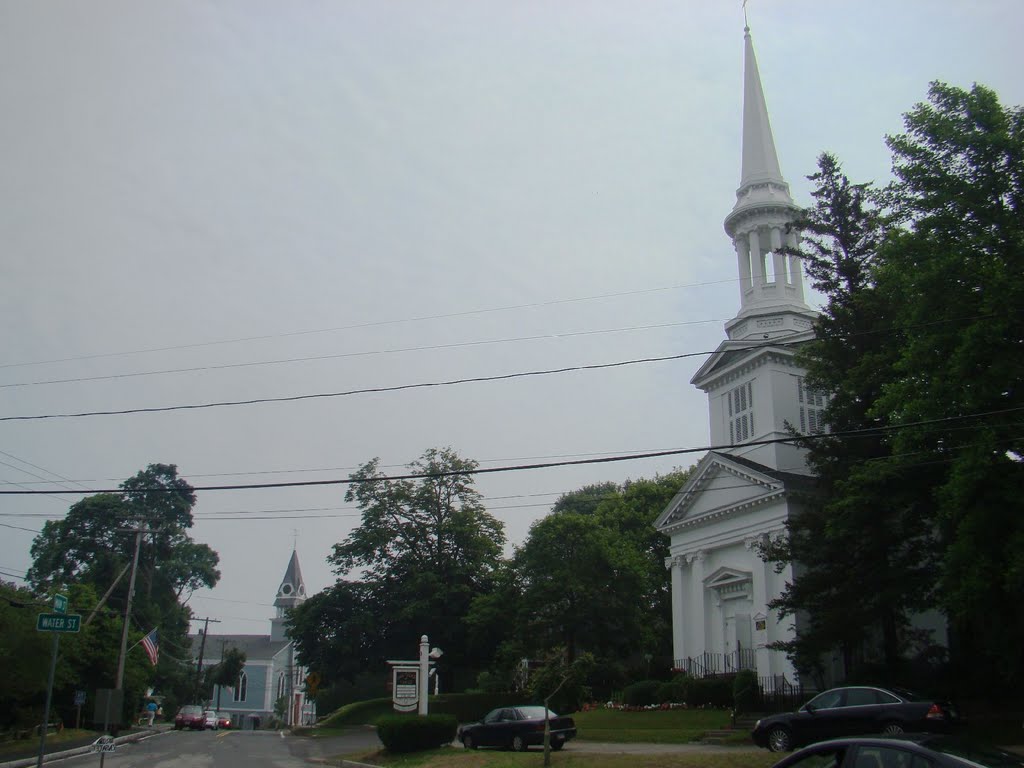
x=413 y=733
x=641 y=693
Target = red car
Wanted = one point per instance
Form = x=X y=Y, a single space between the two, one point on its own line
x=190 y=716
x=223 y=721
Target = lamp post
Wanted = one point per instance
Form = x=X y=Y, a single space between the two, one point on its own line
x=426 y=654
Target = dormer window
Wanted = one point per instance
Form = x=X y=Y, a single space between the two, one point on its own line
x=286 y=589
x=740 y=405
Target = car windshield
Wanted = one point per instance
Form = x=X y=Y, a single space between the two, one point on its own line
x=534 y=713
x=191 y=710
x=983 y=756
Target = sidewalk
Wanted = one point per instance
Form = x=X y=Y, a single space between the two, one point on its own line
x=64 y=749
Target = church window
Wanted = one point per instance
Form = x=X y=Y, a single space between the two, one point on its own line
x=740 y=402
x=812 y=406
x=240 y=687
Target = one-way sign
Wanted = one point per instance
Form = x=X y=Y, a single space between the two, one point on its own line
x=58 y=622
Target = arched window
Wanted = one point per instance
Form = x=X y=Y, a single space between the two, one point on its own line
x=240 y=687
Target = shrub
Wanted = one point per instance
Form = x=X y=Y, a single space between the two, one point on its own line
x=672 y=692
x=411 y=733
x=641 y=693
x=709 y=692
x=745 y=691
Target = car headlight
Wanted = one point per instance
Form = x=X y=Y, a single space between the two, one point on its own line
x=757 y=725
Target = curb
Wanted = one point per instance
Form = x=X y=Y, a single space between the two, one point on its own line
x=50 y=757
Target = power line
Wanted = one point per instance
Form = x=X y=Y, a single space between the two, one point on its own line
x=553 y=464
x=371 y=324
x=341 y=355
x=377 y=390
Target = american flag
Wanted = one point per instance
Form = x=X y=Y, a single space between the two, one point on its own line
x=152 y=646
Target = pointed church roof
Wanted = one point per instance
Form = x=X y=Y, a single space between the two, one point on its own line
x=761 y=180
x=760 y=160
x=292 y=589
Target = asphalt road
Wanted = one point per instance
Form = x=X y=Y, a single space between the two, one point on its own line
x=273 y=749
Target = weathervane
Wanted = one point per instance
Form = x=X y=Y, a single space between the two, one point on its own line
x=745 y=23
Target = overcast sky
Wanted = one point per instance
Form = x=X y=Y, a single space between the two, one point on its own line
x=222 y=201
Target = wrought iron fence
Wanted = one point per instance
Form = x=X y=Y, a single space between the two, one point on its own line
x=711 y=664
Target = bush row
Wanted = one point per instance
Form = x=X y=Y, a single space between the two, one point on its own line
x=728 y=691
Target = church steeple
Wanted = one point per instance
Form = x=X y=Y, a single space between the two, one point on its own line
x=761 y=223
x=290 y=593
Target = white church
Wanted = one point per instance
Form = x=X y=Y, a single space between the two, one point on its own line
x=745 y=492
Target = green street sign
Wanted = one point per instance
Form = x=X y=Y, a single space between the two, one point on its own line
x=60 y=604
x=58 y=622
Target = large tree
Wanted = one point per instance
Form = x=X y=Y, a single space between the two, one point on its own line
x=425 y=547
x=590 y=577
x=919 y=349
x=867 y=516
x=957 y=271
x=93 y=545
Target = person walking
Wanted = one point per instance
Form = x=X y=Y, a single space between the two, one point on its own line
x=151 y=711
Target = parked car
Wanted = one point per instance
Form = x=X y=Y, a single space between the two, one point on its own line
x=517 y=728
x=223 y=721
x=854 y=710
x=189 y=716
x=210 y=720
x=918 y=751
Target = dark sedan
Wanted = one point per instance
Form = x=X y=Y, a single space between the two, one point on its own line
x=854 y=710
x=919 y=751
x=517 y=728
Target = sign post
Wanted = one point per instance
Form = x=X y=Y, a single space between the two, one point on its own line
x=57 y=622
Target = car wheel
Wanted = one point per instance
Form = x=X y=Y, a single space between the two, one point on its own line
x=467 y=742
x=557 y=745
x=518 y=743
x=892 y=729
x=779 y=740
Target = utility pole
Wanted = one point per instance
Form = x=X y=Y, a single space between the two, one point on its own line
x=222 y=642
x=202 y=650
x=119 y=682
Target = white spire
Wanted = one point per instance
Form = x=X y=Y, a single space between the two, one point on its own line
x=761 y=224
x=760 y=161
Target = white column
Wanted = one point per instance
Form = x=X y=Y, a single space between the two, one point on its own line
x=795 y=269
x=742 y=247
x=679 y=602
x=760 y=578
x=778 y=258
x=756 y=260
x=698 y=616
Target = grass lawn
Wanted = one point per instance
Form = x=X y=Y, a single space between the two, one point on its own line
x=671 y=726
x=460 y=758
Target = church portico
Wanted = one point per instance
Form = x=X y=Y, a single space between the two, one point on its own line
x=728 y=588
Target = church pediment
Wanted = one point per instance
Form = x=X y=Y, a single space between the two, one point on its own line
x=720 y=485
x=726 y=577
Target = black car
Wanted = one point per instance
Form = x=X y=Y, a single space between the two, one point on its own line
x=854 y=710
x=517 y=728
x=918 y=751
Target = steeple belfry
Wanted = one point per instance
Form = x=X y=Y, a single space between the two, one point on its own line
x=290 y=593
x=761 y=222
